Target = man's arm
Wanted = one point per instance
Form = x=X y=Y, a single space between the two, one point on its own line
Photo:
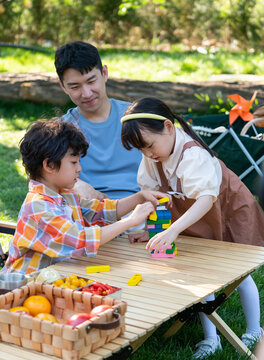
x=86 y=191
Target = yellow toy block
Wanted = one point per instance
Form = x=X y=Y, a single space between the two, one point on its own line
x=164 y=200
x=153 y=216
x=135 y=279
x=99 y=268
x=165 y=226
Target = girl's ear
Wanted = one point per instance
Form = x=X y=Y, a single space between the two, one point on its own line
x=169 y=126
x=48 y=167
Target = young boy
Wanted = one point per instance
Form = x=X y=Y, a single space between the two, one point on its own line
x=54 y=223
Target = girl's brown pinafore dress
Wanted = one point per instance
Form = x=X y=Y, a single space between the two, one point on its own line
x=235 y=216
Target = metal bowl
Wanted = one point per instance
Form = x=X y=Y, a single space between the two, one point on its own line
x=11 y=281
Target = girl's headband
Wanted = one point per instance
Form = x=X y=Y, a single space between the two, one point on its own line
x=142 y=116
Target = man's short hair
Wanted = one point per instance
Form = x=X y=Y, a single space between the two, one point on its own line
x=77 y=55
x=50 y=140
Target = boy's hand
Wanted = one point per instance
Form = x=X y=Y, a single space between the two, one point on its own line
x=153 y=197
x=165 y=238
x=140 y=213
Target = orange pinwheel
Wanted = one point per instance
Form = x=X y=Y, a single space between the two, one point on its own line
x=241 y=108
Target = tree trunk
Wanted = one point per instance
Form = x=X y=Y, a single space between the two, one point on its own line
x=44 y=88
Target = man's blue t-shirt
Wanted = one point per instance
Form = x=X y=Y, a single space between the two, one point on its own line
x=108 y=166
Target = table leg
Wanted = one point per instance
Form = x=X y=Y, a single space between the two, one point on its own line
x=209 y=309
x=137 y=343
x=173 y=329
x=230 y=335
x=232 y=287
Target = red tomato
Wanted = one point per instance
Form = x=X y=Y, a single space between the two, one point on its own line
x=96 y=311
x=98 y=288
x=77 y=319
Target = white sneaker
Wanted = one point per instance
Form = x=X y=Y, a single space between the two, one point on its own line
x=206 y=348
x=250 y=339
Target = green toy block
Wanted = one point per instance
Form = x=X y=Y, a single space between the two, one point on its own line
x=161 y=221
x=151 y=234
x=171 y=251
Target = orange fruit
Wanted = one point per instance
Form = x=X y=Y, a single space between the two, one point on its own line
x=45 y=316
x=67 y=283
x=72 y=277
x=82 y=282
x=19 y=308
x=75 y=283
x=37 y=304
x=58 y=282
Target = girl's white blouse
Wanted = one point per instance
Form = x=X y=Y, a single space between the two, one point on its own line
x=200 y=173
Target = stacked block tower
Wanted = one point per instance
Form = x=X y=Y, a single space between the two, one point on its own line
x=159 y=221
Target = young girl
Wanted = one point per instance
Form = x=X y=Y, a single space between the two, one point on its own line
x=209 y=202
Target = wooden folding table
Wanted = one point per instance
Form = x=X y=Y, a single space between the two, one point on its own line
x=200 y=268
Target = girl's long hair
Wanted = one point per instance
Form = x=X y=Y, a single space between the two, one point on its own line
x=131 y=129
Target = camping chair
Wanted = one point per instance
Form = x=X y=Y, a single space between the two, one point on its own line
x=5 y=228
x=237 y=145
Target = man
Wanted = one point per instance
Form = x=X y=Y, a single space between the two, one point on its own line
x=108 y=170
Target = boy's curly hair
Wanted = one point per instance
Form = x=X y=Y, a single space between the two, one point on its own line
x=50 y=140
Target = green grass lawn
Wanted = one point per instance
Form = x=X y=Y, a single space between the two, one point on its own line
x=14 y=118
x=175 y=65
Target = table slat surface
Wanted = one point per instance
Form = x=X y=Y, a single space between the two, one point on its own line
x=169 y=286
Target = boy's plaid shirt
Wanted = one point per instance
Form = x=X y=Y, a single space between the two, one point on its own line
x=46 y=234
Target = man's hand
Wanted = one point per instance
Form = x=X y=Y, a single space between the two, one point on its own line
x=138 y=237
x=87 y=191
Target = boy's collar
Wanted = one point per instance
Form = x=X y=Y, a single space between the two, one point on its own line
x=40 y=188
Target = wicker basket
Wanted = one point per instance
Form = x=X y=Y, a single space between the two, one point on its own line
x=60 y=340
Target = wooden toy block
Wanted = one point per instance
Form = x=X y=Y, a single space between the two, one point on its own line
x=163 y=214
x=99 y=268
x=170 y=252
x=171 y=249
x=154 y=227
x=159 y=221
x=151 y=234
x=153 y=216
x=164 y=200
x=135 y=279
x=163 y=255
x=157 y=230
x=161 y=207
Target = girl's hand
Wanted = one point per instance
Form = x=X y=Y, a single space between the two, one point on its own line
x=165 y=239
x=140 y=213
x=153 y=197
